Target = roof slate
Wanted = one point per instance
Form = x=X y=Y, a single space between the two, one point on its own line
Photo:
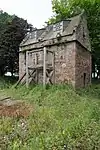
x=47 y=33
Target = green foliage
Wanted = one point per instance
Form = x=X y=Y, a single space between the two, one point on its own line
x=62 y=119
x=4 y=19
x=68 y=8
x=7 y=82
x=12 y=31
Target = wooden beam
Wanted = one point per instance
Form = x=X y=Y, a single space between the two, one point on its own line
x=49 y=76
x=31 y=73
x=34 y=51
x=53 y=64
x=39 y=66
x=33 y=77
x=36 y=59
x=27 y=73
x=5 y=98
x=19 y=80
x=44 y=67
x=36 y=63
x=50 y=51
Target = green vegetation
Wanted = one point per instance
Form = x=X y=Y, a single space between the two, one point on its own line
x=62 y=119
x=12 y=31
x=64 y=9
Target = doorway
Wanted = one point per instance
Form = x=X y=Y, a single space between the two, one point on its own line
x=84 y=79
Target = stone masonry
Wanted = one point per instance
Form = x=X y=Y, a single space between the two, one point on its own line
x=69 y=40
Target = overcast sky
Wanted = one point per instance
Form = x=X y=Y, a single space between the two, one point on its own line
x=35 y=11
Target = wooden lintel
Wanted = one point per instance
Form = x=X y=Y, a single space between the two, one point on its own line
x=36 y=67
x=35 y=51
x=50 y=51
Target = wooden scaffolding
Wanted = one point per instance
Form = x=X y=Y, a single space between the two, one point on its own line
x=47 y=68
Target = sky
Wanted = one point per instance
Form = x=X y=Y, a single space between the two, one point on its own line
x=35 y=12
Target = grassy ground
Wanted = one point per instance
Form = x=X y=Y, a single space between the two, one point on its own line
x=62 y=119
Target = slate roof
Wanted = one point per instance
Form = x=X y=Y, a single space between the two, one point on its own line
x=66 y=28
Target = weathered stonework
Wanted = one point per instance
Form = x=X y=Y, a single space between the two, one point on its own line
x=22 y=64
x=83 y=67
x=65 y=63
x=72 y=51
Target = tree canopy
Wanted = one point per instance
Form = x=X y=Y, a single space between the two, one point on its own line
x=67 y=8
x=12 y=31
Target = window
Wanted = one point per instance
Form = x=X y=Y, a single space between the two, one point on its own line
x=58 y=27
x=33 y=35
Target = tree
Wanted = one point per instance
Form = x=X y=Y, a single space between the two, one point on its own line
x=67 y=8
x=13 y=30
x=4 y=19
x=13 y=36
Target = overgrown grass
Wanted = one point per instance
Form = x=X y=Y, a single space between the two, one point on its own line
x=63 y=119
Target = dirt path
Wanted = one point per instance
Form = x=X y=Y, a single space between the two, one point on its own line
x=14 y=108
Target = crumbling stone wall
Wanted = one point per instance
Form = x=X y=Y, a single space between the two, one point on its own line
x=65 y=63
x=72 y=51
x=82 y=67
x=22 y=64
x=72 y=64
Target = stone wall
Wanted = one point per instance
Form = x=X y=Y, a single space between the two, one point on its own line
x=65 y=63
x=22 y=64
x=83 y=67
x=72 y=59
x=72 y=64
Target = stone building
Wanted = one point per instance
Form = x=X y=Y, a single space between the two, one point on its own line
x=67 y=49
